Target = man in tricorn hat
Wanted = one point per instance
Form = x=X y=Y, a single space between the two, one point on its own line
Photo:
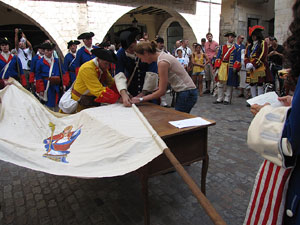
x=94 y=84
x=10 y=65
x=70 y=57
x=84 y=54
x=133 y=78
x=228 y=63
x=50 y=78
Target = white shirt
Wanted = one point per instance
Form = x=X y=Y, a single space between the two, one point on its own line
x=25 y=55
x=186 y=52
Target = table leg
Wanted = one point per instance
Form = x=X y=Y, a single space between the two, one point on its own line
x=144 y=176
x=204 y=173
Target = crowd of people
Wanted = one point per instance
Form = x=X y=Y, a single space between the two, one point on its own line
x=214 y=69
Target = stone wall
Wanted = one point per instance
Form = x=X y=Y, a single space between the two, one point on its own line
x=64 y=20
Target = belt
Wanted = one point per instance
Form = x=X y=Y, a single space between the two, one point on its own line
x=76 y=93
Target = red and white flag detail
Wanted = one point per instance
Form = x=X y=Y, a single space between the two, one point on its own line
x=267 y=200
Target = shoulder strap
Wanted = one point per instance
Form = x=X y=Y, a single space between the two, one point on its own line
x=132 y=75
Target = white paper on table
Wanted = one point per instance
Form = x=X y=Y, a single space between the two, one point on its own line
x=197 y=121
x=269 y=97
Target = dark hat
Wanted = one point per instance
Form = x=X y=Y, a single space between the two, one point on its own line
x=47 y=45
x=105 y=54
x=127 y=36
x=230 y=33
x=86 y=35
x=36 y=47
x=4 y=41
x=255 y=28
x=104 y=44
x=73 y=42
x=160 y=40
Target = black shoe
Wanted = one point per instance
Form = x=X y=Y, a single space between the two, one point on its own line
x=226 y=103
x=206 y=92
x=248 y=105
x=217 y=102
x=241 y=96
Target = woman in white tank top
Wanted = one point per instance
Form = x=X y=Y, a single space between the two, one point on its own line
x=169 y=71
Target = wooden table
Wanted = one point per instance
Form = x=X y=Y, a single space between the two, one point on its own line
x=188 y=145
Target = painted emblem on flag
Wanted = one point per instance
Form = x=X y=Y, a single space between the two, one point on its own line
x=57 y=146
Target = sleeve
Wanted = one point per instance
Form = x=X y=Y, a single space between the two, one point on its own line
x=218 y=58
x=292 y=127
x=120 y=78
x=77 y=61
x=32 y=69
x=262 y=57
x=65 y=76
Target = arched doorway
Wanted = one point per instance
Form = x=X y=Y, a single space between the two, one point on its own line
x=174 y=33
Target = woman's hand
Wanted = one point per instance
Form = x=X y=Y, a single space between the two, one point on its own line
x=255 y=108
x=135 y=100
x=286 y=100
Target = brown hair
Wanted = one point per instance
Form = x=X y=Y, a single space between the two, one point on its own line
x=146 y=46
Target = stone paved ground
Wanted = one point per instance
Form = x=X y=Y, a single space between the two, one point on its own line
x=30 y=197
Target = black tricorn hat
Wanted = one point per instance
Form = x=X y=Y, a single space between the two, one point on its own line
x=230 y=33
x=86 y=35
x=47 y=45
x=159 y=40
x=105 y=54
x=73 y=42
x=127 y=36
x=104 y=44
x=4 y=41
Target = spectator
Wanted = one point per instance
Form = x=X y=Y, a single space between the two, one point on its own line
x=24 y=49
x=275 y=56
x=183 y=61
x=210 y=51
x=203 y=41
x=199 y=59
x=177 y=45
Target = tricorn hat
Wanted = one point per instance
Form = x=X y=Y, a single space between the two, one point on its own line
x=159 y=40
x=230 y=33
x=254 y=28
x=47 y=45
x=105 y=54
x=86 y=35
x=127 y=36
x=73 y=42
x=4 y=41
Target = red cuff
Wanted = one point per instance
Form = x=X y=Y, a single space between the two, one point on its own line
x=237 y=65
x=40 y=86
x=217 y=63
x=66 y=79
x=31 y=77
x=23 y=80
x=108 y=96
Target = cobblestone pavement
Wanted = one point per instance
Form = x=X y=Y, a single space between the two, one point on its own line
x=31 y=197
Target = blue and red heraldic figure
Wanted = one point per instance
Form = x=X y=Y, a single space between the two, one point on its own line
x=69 y=67
x=57 y=146
x=83 y=55
x=42 y=79
x=12 y=67
x=228 y=63
x=34 y=61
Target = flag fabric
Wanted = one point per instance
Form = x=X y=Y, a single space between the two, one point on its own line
x=267 y=200
x=103 y=141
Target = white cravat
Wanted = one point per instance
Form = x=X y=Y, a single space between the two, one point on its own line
x=49 y=60
x=5 y=55
x=89 y=49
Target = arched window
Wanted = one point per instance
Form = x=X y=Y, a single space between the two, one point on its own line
x=174 y=33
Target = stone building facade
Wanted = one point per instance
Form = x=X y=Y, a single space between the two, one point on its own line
x=63 y=20
x=274 y=15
